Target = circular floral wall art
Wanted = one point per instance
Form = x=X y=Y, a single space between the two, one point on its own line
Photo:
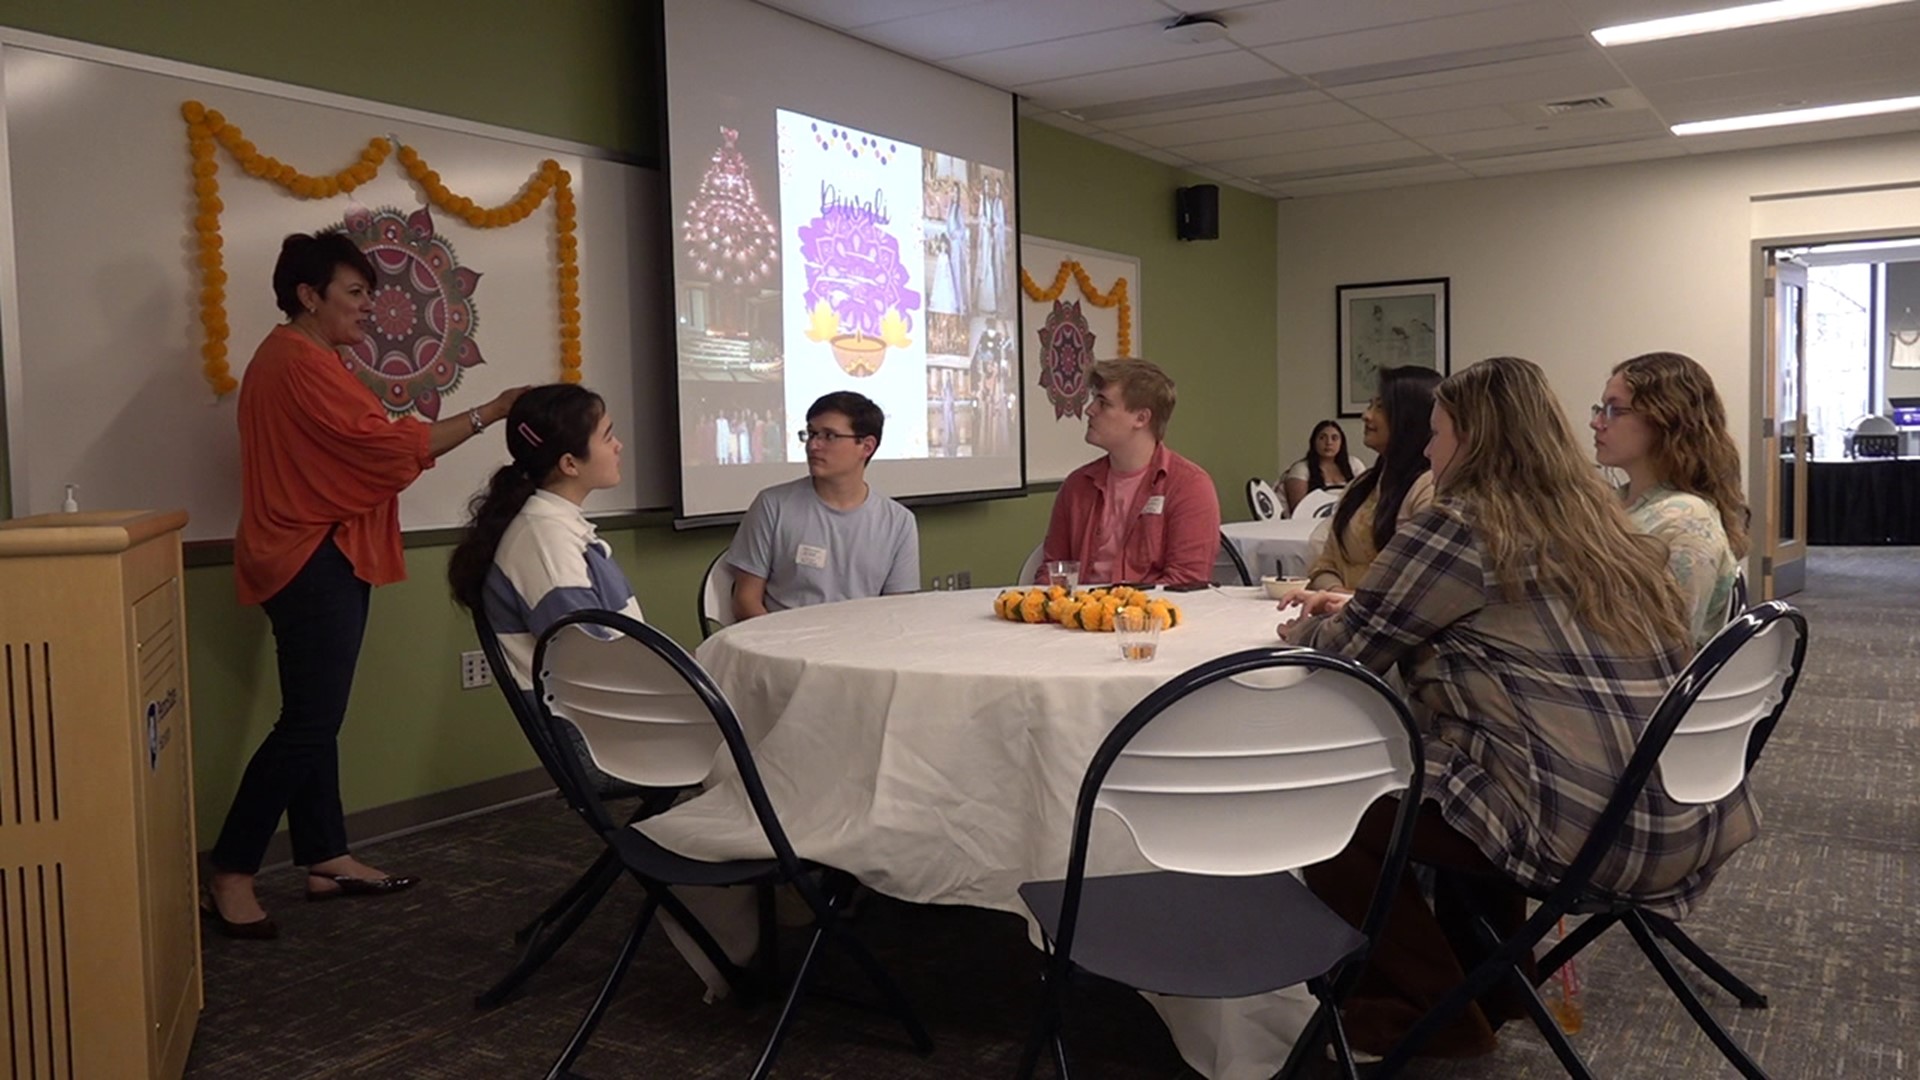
x=1066 y=358
x=421 y=337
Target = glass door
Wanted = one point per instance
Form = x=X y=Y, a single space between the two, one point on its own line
x=1783 y=565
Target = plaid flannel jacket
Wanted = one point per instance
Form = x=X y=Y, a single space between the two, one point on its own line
x=1529 y=717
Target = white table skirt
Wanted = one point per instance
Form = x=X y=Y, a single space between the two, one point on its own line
x=935 y=752
x=1281 y=546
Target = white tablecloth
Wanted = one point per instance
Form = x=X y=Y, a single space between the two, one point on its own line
x=1280 y=547
x=935 y=751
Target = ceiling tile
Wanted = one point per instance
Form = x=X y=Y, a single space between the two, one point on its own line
x=1579 y=79
x=851 y=14
x=1290 y=142
x=1412 y=40
x=1400 y=151
x=1454 y=121
x=1373 y=180
x=1887 y=36
x=1241 y=125
x=1004 y=24
x=1108 y=50
x=1589 y=129
x=1220 y=108
x=1197 y=73
x=1544 y=160
x=1297 y=20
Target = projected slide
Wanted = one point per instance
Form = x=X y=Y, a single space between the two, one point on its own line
x=813 y=256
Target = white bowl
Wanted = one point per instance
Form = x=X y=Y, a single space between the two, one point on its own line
x=1278 y=587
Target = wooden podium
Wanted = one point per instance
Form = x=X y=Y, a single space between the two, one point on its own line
x=97 y=867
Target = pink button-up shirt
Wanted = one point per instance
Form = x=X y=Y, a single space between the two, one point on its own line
x=1173 y=527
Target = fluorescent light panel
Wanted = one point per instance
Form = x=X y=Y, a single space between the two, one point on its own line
x=1816 y=114
x=1733 y=18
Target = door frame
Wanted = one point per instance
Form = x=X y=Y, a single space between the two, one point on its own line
x=1759 y=475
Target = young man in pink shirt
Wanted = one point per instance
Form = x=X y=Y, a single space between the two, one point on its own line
x=1142 y=514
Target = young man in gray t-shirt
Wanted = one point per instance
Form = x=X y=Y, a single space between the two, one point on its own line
x=826 y=536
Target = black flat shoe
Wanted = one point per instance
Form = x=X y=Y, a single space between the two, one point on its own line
x=346 y=886
x=263 y=929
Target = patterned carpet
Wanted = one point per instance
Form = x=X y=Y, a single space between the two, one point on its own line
x=1818 y=913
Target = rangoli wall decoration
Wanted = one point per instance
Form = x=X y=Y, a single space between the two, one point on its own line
x=423 y=312
x=1066 y=356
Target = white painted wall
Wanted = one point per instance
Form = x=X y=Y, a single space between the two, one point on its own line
x=1579 y=270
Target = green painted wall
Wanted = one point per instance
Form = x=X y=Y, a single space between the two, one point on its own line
x=1207 y=311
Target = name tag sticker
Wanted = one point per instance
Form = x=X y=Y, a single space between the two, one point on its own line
x=1155 y=504
x=809 y=555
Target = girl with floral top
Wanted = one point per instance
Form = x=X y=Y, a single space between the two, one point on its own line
x=1661 y=422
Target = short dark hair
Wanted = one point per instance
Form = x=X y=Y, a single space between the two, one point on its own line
x=863 y=416
x=311 y=260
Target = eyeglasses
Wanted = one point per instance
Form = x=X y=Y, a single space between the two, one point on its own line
x=827 y=437
x=1611 y=411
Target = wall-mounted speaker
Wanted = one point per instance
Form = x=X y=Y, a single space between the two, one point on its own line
x=1197 y=212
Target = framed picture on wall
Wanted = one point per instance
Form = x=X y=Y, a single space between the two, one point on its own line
x=1388 y=324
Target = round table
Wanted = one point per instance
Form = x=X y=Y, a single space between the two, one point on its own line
x=1279 y=546
x=934 y=751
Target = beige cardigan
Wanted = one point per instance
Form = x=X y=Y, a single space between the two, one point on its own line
x=1343 y=560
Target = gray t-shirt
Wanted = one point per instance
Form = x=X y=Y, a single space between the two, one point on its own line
x=811 y=553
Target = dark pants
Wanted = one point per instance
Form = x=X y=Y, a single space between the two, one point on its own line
x=1422 y=952
x=318 y=621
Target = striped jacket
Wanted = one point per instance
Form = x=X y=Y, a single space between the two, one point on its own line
x=550 y=562
x=1529 y=716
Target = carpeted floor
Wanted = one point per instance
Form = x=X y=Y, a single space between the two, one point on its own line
x=1819 y=913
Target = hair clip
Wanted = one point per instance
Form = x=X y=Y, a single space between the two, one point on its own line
x=527 y=434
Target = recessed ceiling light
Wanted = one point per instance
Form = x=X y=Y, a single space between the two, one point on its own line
x=1816 y=114
x=1707 y=22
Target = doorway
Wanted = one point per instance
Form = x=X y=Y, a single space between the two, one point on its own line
x=1839 y=428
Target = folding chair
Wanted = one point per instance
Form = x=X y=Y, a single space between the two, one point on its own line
x=1737 y=600
x=1702 y=740
x=1262 y=501
x=550 y=929
x=650 y=714
x=714 y=602
x=1227 y=777
x=1228 y=567
x=1031 y=568
x=1321 y=503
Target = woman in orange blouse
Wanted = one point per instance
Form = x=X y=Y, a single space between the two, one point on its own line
x=322 y=468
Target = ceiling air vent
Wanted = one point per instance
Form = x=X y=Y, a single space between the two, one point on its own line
x=1576 y=105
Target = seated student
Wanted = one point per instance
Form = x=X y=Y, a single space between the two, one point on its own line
x=1535 y=647
x=1327 y=464
x=826 y=536
x=529 y=555
x=1386 y=496
x=1661 y=422
x=1142 y=514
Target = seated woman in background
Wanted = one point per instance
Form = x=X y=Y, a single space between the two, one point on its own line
x=1535 y=647
x=529 y=555
x=1397 y=487
x=1661 y=422
x=1327 y=464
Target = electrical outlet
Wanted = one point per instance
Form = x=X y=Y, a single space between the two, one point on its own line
x=474 y=672
x=950 y=579
x=965 y=578
x=937 y=584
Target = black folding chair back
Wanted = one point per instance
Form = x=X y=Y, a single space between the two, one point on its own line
x=1227 y=777
x=1702 y=739
x=1228 y=567
x=542 y=937
x=649 y=714
x=1262 y=501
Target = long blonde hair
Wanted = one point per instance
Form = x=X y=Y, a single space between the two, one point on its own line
x=1691 y=447
x=1522 y=483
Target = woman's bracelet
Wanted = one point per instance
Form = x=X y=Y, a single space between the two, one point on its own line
x=473 y=417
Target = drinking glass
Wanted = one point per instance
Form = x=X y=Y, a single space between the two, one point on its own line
x=1064 y=573
x=1138 y=631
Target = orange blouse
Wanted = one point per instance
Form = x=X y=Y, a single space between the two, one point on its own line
x=317 y=451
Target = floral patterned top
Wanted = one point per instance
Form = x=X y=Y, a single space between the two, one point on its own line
x=1698 y=553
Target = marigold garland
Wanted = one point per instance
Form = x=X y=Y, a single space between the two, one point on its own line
x=206 y=129
x=1117 y=295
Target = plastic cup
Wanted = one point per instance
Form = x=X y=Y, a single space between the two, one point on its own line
x=1139 y=633
x=1065 y=573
